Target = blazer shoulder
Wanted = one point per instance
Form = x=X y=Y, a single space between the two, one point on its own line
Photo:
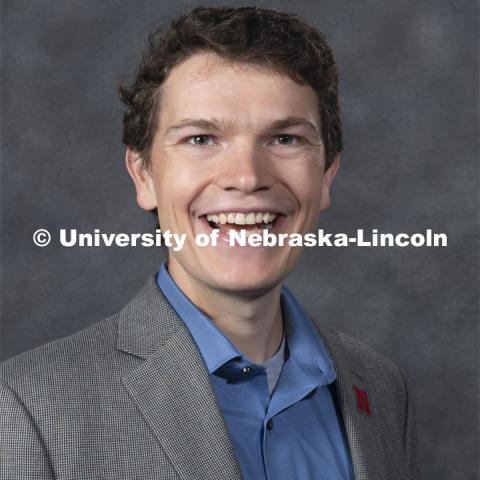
x=71 y=356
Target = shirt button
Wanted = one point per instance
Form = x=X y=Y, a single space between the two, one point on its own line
x=246 y=369
x=270 y=424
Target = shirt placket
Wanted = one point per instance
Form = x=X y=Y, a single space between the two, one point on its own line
x=293 y=385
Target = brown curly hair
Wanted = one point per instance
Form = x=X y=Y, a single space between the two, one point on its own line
x=280 y=41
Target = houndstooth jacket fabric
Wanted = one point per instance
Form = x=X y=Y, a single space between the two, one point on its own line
x=130 y=398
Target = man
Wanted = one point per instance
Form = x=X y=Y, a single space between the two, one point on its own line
x=214 y=371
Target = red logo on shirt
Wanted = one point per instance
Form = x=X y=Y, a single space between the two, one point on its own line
x=362 y=401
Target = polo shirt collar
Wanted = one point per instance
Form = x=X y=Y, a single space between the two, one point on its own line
x=215 y=347
x=304 y=341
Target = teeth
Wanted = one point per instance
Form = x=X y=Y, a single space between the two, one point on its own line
x=238 y=218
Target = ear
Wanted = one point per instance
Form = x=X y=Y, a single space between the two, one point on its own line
x=142 y=180
x=328 y=177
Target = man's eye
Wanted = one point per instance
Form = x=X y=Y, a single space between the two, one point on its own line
x=200 y=140
x=287 y=139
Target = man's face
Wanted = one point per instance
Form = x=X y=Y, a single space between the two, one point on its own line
x=235 y=143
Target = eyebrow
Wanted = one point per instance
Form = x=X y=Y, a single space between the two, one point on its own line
x=214 y=124
x=202 y=123
x=293 y=122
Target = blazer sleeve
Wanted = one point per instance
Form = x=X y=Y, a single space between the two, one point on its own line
x=410 y=438
x=22 y=452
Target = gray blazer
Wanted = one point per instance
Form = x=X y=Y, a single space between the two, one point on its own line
x=130 y=398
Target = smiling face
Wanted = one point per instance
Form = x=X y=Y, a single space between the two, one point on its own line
x=236 y=145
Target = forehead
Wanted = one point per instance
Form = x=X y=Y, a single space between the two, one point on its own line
x=237 y=92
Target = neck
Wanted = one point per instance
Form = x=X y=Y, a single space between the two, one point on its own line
x=253 y=323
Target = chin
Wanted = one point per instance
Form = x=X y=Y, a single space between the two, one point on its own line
x=247 y=278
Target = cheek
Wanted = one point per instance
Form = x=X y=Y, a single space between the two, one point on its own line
x=307 y=188
x=175 y=189
x=306 y=177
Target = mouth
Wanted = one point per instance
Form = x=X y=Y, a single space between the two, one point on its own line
x=251 y=222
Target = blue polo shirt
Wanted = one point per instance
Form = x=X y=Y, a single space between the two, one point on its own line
x=290 y=433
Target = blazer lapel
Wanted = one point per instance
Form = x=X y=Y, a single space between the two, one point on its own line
x=357 y=405
x=172 y=389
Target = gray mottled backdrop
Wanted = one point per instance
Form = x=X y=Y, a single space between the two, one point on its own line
x=410 y=104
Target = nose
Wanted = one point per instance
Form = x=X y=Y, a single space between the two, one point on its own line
x=244 y=167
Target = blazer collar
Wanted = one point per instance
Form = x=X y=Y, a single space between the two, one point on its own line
x=147 y=322
x=361 y=428
x=172 y=388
